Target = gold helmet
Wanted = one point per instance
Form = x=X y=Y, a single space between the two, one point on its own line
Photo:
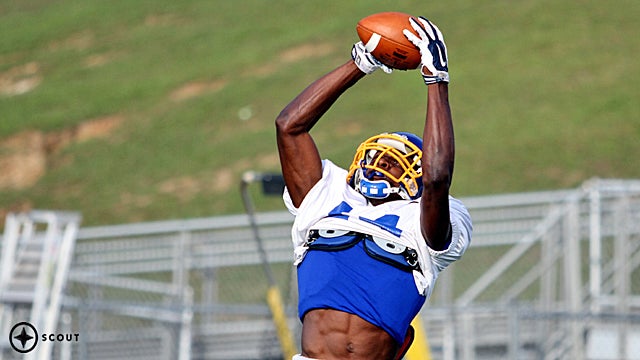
x=403 y=147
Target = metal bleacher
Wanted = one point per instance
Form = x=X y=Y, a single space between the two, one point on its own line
x=36 y=256
x=549 y=275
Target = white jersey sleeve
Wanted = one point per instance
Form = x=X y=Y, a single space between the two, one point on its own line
x=461 y=229
x=329 y=191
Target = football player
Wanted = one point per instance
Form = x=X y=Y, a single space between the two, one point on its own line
x=370 y=240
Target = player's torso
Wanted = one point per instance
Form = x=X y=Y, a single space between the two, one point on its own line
x=331 y=334
x=351 y=280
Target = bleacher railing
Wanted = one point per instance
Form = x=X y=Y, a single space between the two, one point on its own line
x=549 y=275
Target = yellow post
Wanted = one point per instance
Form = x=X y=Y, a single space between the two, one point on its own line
x=280 y=320
x=419 y=350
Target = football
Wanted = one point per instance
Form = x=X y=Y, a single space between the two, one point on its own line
x=382 y=35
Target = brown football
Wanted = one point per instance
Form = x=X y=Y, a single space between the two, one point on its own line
x=382 y=35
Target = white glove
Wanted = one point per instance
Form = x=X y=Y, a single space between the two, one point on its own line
x=432 y=50
x=365 y=61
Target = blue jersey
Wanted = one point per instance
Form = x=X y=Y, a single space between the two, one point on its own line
x=352 y=281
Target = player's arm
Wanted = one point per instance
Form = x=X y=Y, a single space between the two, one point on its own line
x=437 y=168
x=299 y=156
x=438 y=141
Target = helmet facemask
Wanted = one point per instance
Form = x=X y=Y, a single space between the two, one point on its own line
x=401 y=148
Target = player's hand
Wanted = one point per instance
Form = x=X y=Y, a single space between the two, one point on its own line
x=365 y=61
x=432 y=50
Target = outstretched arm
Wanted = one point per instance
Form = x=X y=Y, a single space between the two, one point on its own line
x=438 y=141
x=437 y=168
x=299 y=157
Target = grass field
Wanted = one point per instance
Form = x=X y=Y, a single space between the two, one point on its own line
x=544 y=96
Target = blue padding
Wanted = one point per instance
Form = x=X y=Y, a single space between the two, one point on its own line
x=378 y=253
x=334 y=243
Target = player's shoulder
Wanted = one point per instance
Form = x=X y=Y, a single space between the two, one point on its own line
x=456 y=203
x=332 y=172
x=328 y=165
x=459 y=212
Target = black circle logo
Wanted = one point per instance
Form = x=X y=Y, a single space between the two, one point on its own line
x=23 y=337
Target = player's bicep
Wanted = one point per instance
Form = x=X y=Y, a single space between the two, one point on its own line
x=301 y=164
x=435 y=219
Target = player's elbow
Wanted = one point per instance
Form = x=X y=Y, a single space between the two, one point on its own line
x=282 y=122
x=286 y=124
x=438 y=178
x=436 y=184
x=437 y=166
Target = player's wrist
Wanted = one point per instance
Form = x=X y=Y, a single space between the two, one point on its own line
x=438 y=77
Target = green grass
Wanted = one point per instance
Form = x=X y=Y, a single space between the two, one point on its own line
x=544 y=95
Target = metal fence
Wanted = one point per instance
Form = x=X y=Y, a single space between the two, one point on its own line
x=549 y=275
x=195 y=286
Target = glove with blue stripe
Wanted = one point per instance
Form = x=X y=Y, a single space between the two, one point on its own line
x=432 y=50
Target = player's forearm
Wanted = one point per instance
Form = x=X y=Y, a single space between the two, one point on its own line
x=308 y=107
x=438 y=147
